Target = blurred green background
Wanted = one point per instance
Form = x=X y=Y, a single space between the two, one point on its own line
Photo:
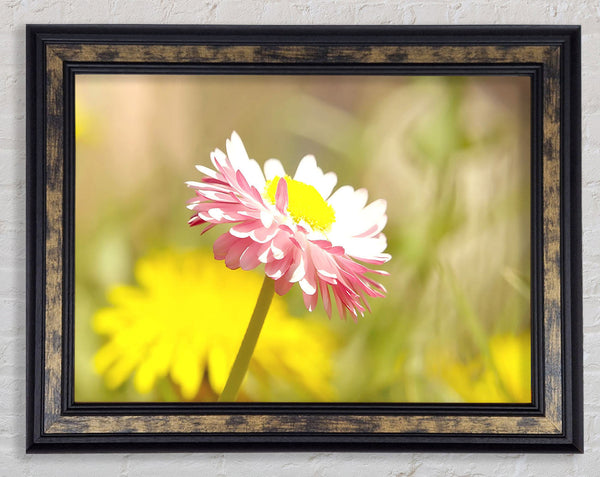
x=153 y=313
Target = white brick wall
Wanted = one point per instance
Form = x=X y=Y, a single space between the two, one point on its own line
x=14 y=14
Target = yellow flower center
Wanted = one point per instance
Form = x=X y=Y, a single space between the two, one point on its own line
x=304 y=203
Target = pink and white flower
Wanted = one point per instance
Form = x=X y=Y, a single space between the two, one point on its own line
x=296 y=227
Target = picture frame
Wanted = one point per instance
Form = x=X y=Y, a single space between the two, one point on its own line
x=548 y=55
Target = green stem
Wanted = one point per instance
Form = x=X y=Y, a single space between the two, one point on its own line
x=242 y=360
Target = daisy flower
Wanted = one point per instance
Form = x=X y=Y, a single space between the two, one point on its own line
x=295 y=226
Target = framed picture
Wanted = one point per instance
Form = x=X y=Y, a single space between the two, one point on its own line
x=408 y=197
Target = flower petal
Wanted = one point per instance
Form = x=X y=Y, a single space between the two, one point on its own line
x=307 y=168
x=250 y=257
x=273 y=169
x=232 y=259
x=206 y=171
x=281 y=196
x=222 y=244
x=326 y=298
x=326 y=184
x=236 y=152
x=310 y=301
x=254 y=174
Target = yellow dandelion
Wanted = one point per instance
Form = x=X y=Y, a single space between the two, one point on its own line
x=185 y=319
x=507 y=378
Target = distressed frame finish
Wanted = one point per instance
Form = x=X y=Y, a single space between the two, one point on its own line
x=550 y=56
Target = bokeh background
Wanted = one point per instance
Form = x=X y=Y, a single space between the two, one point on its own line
x=157 y=319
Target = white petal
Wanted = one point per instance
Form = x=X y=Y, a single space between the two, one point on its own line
x=357 y=223
x=253 y=174
x=350 y=203
x=360 y=198
x=326 y=184
x=373 y=227
x=311 y=174
x=374 y=211
x=366 y=223
x=387 y=257
x=206 y=171
x=340 y=198
x=273 y=168
x=266 y=218
x=349 y=213
x=365 y=247
x=307 y=169
x=218 y=157
x=236 y=152
x=194 y=184
x=316 y=234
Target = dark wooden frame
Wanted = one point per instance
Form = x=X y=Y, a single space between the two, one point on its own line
x=549 y=55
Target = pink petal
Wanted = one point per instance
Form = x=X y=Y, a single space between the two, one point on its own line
x=282 y=286
x=207 y=228
x=339 y=302
x=310 y=301
x=222 y=244
x=281 y=196
x=232 y=259
x=195 y=220
x=215 y=182
x=276 y=269
x=326 y=299
x=241 y=180
x=249 y=259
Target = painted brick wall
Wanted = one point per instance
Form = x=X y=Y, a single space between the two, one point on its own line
x=14 y=14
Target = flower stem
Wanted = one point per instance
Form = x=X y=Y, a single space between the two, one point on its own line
x=242 y=360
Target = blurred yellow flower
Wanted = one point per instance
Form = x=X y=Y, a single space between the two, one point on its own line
x=86 y=125
x=506 y=379
x=185 y=320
